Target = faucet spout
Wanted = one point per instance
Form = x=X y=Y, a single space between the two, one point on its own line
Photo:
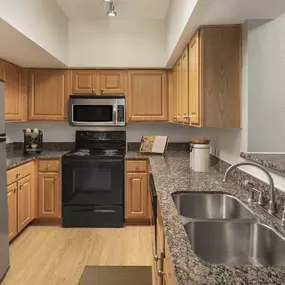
x=271 y=208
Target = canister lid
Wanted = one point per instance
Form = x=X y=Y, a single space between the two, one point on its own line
x=199 y=140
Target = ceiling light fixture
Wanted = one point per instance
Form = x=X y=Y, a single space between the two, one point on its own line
x=108 y=1
x=111 y=12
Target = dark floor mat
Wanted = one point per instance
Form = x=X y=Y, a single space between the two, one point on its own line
x=116 y=275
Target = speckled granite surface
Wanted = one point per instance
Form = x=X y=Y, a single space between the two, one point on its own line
x=171 y=174
x=274 y=161
x=17 y=158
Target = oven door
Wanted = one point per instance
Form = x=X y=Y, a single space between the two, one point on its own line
x=93 y=182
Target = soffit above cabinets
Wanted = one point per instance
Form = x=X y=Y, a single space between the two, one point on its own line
x=218 y=12
x=126 y=9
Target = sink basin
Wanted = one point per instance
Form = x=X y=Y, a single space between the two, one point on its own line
x=207 y=206
x=236 y=243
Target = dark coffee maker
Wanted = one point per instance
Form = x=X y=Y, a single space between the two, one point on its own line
x=33 y=141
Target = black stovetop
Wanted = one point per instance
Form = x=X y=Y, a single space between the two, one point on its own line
x=93 y=153
x=98 y=144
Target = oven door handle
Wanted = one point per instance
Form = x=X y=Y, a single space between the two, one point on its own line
x=96 y=211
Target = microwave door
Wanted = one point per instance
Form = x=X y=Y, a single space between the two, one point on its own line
x=93 y=115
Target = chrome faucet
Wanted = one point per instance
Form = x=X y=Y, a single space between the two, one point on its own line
x=271 y=206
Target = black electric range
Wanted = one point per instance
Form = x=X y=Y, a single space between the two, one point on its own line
x=93 y=180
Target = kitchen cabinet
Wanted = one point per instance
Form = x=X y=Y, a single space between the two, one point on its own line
x=14 y=95
x=84 y=81
x=48 y=94
x=147 y=97
x=12 y=210
x=24 y=202
x=178 y=91
x=137 y=193
x=49 y=189
x=20 y=198
x=184 y=95
x=163 y=269
x=112 y=82
x=194 y=81
x=214 y=78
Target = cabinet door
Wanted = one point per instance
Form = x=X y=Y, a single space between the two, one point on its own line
x=84 y=81
x=147 y=98
x=12 y=75
x=168 y=277
x=194 y=81
x=112 y=82
x=24 y=202
x=47 y=95
x=49 y=203
x=174 y=95
x=184 y=88
x=178 y=91
x=12 y=210
x=137 y=197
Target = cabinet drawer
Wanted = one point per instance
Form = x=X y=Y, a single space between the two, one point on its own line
x=19 y=172
x=49 y=165
x=136 y=166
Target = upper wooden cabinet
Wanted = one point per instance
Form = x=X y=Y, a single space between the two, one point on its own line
x=112 y=81
x=48 y=94
x=98 y=82
x=211 y=79
x=194 y=81
x=184 y=95
x=14 y=96
x=147 y=97
x=84 y=81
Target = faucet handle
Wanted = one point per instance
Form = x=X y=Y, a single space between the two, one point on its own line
x=248 y=183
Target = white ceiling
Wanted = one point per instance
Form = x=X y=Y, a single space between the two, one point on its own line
x=126 y=9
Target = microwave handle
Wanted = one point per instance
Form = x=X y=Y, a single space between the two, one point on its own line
x=115 y=119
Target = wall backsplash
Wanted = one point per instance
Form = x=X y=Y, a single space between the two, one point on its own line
x=228 y=141
x=62 y=132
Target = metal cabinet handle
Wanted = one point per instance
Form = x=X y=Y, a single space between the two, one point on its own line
x=102 y=90
x=156 y=257
x=129 y=117
x=65 y=117
x=93 y=90
x=18 y=174
x=160 y=273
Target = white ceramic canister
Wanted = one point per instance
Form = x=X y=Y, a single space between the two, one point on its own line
x=200 y=154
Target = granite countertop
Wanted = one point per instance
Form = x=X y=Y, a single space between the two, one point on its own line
x=18 y=158
x=273 y=161
x=171 y=174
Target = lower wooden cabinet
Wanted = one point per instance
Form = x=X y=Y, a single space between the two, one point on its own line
x=137 y=193
x=24 y=202
x=48 y=195
x=19 y=194
x=12 y=210
x=163 y=273
x=49 y=189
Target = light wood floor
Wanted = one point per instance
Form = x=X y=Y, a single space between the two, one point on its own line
x=50 y=255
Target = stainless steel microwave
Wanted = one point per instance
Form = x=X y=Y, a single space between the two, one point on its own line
x=97 y=111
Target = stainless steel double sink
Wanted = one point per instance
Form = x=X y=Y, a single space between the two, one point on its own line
x=222 y=230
